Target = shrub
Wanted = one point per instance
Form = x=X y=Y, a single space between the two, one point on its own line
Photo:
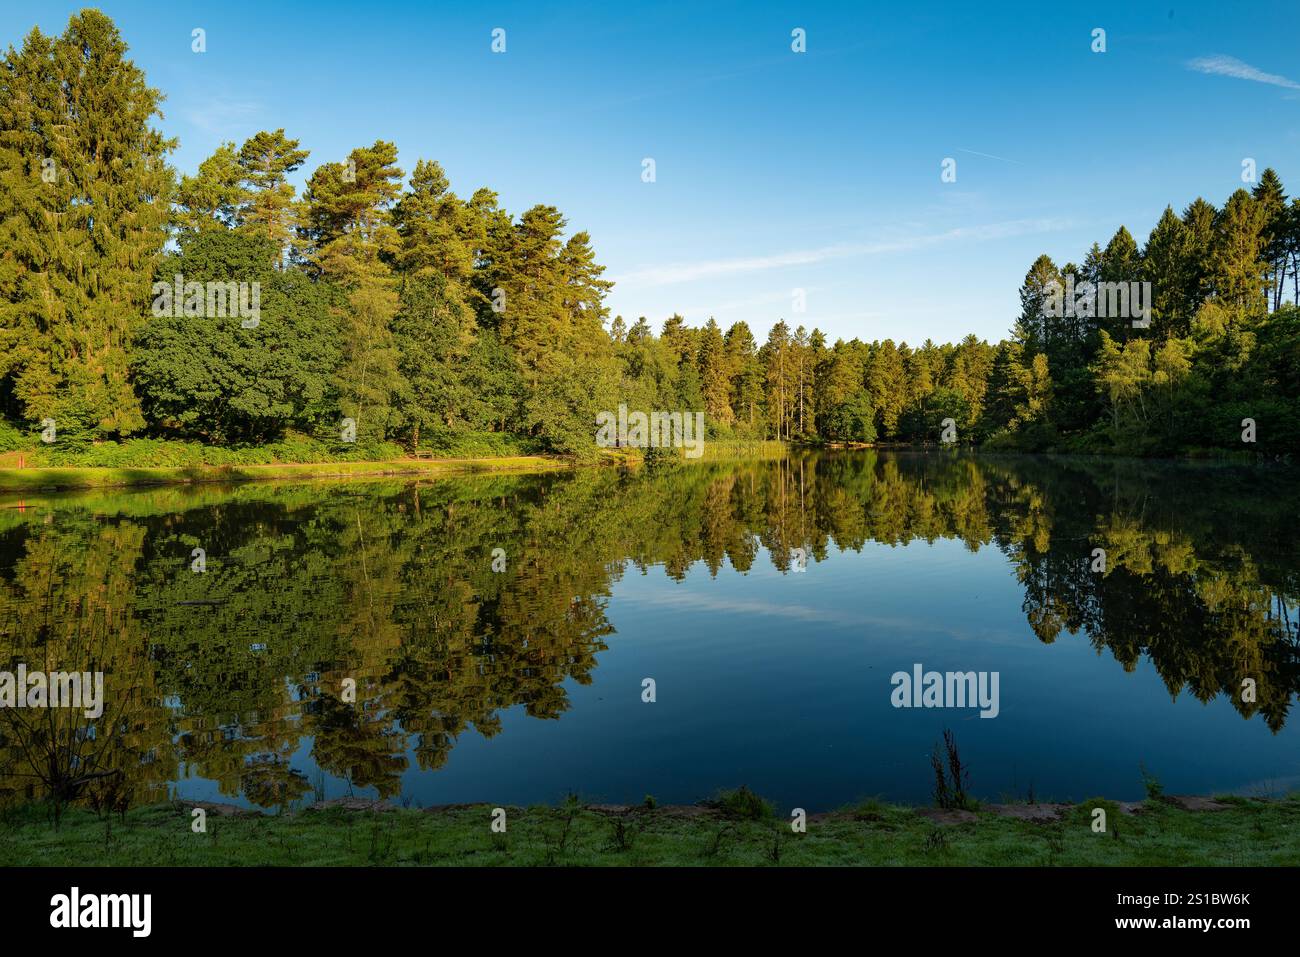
x=12 y=438
x=744 y=804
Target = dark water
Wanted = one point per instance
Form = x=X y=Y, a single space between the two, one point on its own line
x=524 y=684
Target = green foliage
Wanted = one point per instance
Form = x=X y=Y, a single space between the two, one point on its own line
x=12 y=438
x=1151 y=784
x=852 y=420
x=433 y=332
x=743 y=804
x=1083 y=815
x=457 y=444
x=925 y=423
x=660 y=458
x=563 y=405
x=206 y=376
x=165 y=453
x=83 y=211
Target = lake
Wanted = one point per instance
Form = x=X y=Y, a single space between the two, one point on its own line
x=489 y=638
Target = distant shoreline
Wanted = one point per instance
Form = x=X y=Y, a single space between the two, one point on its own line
x=59 y=477
x=52 y=478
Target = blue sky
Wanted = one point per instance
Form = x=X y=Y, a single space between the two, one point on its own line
x=775 y=171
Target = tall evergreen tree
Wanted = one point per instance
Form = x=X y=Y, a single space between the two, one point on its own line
x=583 y=297
x=1237 y=270
x=746 y=373
x=1164 y=265
x=1120 y=263
x=1034 y=329
x=1198 y=217
x=433 y=333
x=887 y=386
x=266 y=160
x=212 y=198
x=351 y=237
x=84 y=210
x=714 y=367
x=439 y=233
x=776 y=357
x=1271 y=199
x=526 y=280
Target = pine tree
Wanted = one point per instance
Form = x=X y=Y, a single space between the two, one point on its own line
x=681 y=341
x=1005 y=388
x=1271 y=200
x=967 y=375
x=920 y=383
x=528 y=285
x=1237 y=270
x=887 y=386
x=1292 y=247
x=1164 y=265
x=583 y=297
x=213 y=198
x=439 y=234
x=1034 y=329
x=746 y=373
x=266 y=160
x=80 y=248
x=713 y=375
x=351 y=238
x=798 y=360
x=1199 y=218
x=841 y=385
x=433 y=333
x=1120 y=263
x=776 y=358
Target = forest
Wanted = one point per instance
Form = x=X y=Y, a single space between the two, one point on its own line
x=436 y=321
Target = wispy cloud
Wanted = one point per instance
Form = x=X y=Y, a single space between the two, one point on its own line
x=1222 y=65
x=220 y=116
x=1002 y=159
x=706 y=601
x=712 y=269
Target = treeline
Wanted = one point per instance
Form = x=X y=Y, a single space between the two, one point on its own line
x=401 y=307
x=392 y=302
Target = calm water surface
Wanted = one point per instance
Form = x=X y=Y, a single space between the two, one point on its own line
x=770 y=602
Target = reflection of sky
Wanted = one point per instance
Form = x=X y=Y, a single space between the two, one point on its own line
x=781 y=682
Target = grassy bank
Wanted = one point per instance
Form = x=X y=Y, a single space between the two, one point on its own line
x=1238 y=832
x=19 y=480
x=164 y=463
x=723 y=450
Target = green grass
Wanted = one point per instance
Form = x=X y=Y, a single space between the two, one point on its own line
x=722 y=450
x=79 y=452
x=1249 y=833
x=713 y=450
x=151 y=462
x=18 y=480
